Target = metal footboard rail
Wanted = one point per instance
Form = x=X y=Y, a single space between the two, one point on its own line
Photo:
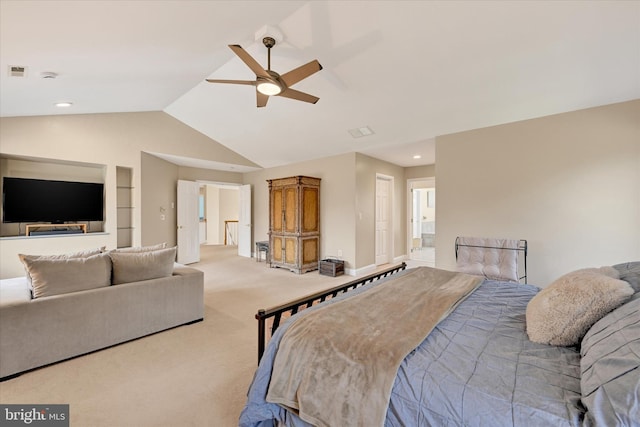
x=293 y=307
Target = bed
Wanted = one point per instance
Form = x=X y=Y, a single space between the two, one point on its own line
x=477 y=365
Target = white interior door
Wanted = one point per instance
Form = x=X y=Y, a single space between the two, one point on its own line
x=244 y=222
x=384 y=232
x=188 y=222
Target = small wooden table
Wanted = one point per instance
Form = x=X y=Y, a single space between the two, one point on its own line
x=262 y=246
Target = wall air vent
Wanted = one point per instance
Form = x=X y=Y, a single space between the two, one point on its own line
x=17 y=71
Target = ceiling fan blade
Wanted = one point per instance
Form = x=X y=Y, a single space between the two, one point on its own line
x=261 y=99
x=248 y=59
x=236 y=82
x=302 y=72
x=300 y=96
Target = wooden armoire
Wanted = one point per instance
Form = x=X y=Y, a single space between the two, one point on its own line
x=294 y=223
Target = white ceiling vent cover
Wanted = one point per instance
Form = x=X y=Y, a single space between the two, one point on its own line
x=17 y=71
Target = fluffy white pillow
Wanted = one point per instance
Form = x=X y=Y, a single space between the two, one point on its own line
x=561 y=313
x=136 y=266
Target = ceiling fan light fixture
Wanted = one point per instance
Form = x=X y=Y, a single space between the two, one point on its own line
x=268 y=88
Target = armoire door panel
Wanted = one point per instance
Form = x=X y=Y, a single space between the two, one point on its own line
x=310 y=250
x=276 y=249
x=290 y=209
x=310 y=209
x=290 y=246
x=276 y=210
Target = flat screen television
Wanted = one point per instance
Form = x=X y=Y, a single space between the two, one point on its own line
x=39 y=200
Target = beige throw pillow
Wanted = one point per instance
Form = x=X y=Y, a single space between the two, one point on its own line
x=136 y=266
x=80 y=254
x=563 y=312
x=54 y=276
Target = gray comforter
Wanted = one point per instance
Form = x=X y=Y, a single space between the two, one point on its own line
x=476 y=368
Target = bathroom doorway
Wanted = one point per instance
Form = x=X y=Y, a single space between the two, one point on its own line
x=422 y=221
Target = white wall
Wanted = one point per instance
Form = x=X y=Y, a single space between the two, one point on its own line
x=222 y=205
x=212 y=200
x=229 y=208
x=568 y=183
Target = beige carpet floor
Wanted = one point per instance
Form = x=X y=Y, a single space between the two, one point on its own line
x=194 y=375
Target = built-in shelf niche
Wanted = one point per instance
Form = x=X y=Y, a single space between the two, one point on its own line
x=51 y=169
x=124 y=205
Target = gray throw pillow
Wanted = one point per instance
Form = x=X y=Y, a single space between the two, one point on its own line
x=136 y=266
x=51 y=276
x=630 y=272
x=610 y=368
x=561 y=313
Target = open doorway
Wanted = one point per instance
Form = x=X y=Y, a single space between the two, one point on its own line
x=225 y=216
x=422 y=220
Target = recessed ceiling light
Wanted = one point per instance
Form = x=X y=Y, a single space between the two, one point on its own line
x=417 y=156
x=64 y=104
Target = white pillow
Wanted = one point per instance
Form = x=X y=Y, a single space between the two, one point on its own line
x=54 y=276
x=136 y=266
x=563 y=312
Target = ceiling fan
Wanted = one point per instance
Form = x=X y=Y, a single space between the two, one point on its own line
x=268 y=82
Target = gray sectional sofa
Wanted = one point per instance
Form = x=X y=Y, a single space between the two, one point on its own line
x=37 y=331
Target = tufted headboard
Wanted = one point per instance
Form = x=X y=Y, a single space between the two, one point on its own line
x=492 y=258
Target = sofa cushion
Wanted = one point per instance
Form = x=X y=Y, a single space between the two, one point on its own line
x=54 y=276
x=142 y=248
x=561 y=313
x=136 y=266
x=14 y=291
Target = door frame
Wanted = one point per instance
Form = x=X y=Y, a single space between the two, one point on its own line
x=431 y=180
x=188 y=221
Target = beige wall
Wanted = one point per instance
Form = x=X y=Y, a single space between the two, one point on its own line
x=366 y=170
x=158 y=200
x=110 y=140
x=347 y=205
x=568 y=183
x=337 y=194
x=414 y=172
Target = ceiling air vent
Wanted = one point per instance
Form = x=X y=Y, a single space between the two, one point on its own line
x=360 y=132
x=17 y=71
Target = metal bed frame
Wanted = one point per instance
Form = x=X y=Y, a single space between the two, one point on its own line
x=293 y=307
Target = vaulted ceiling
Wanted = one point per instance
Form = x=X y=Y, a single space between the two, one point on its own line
x=408 y=70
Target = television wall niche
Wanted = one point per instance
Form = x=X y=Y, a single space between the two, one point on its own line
x=81 y=181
